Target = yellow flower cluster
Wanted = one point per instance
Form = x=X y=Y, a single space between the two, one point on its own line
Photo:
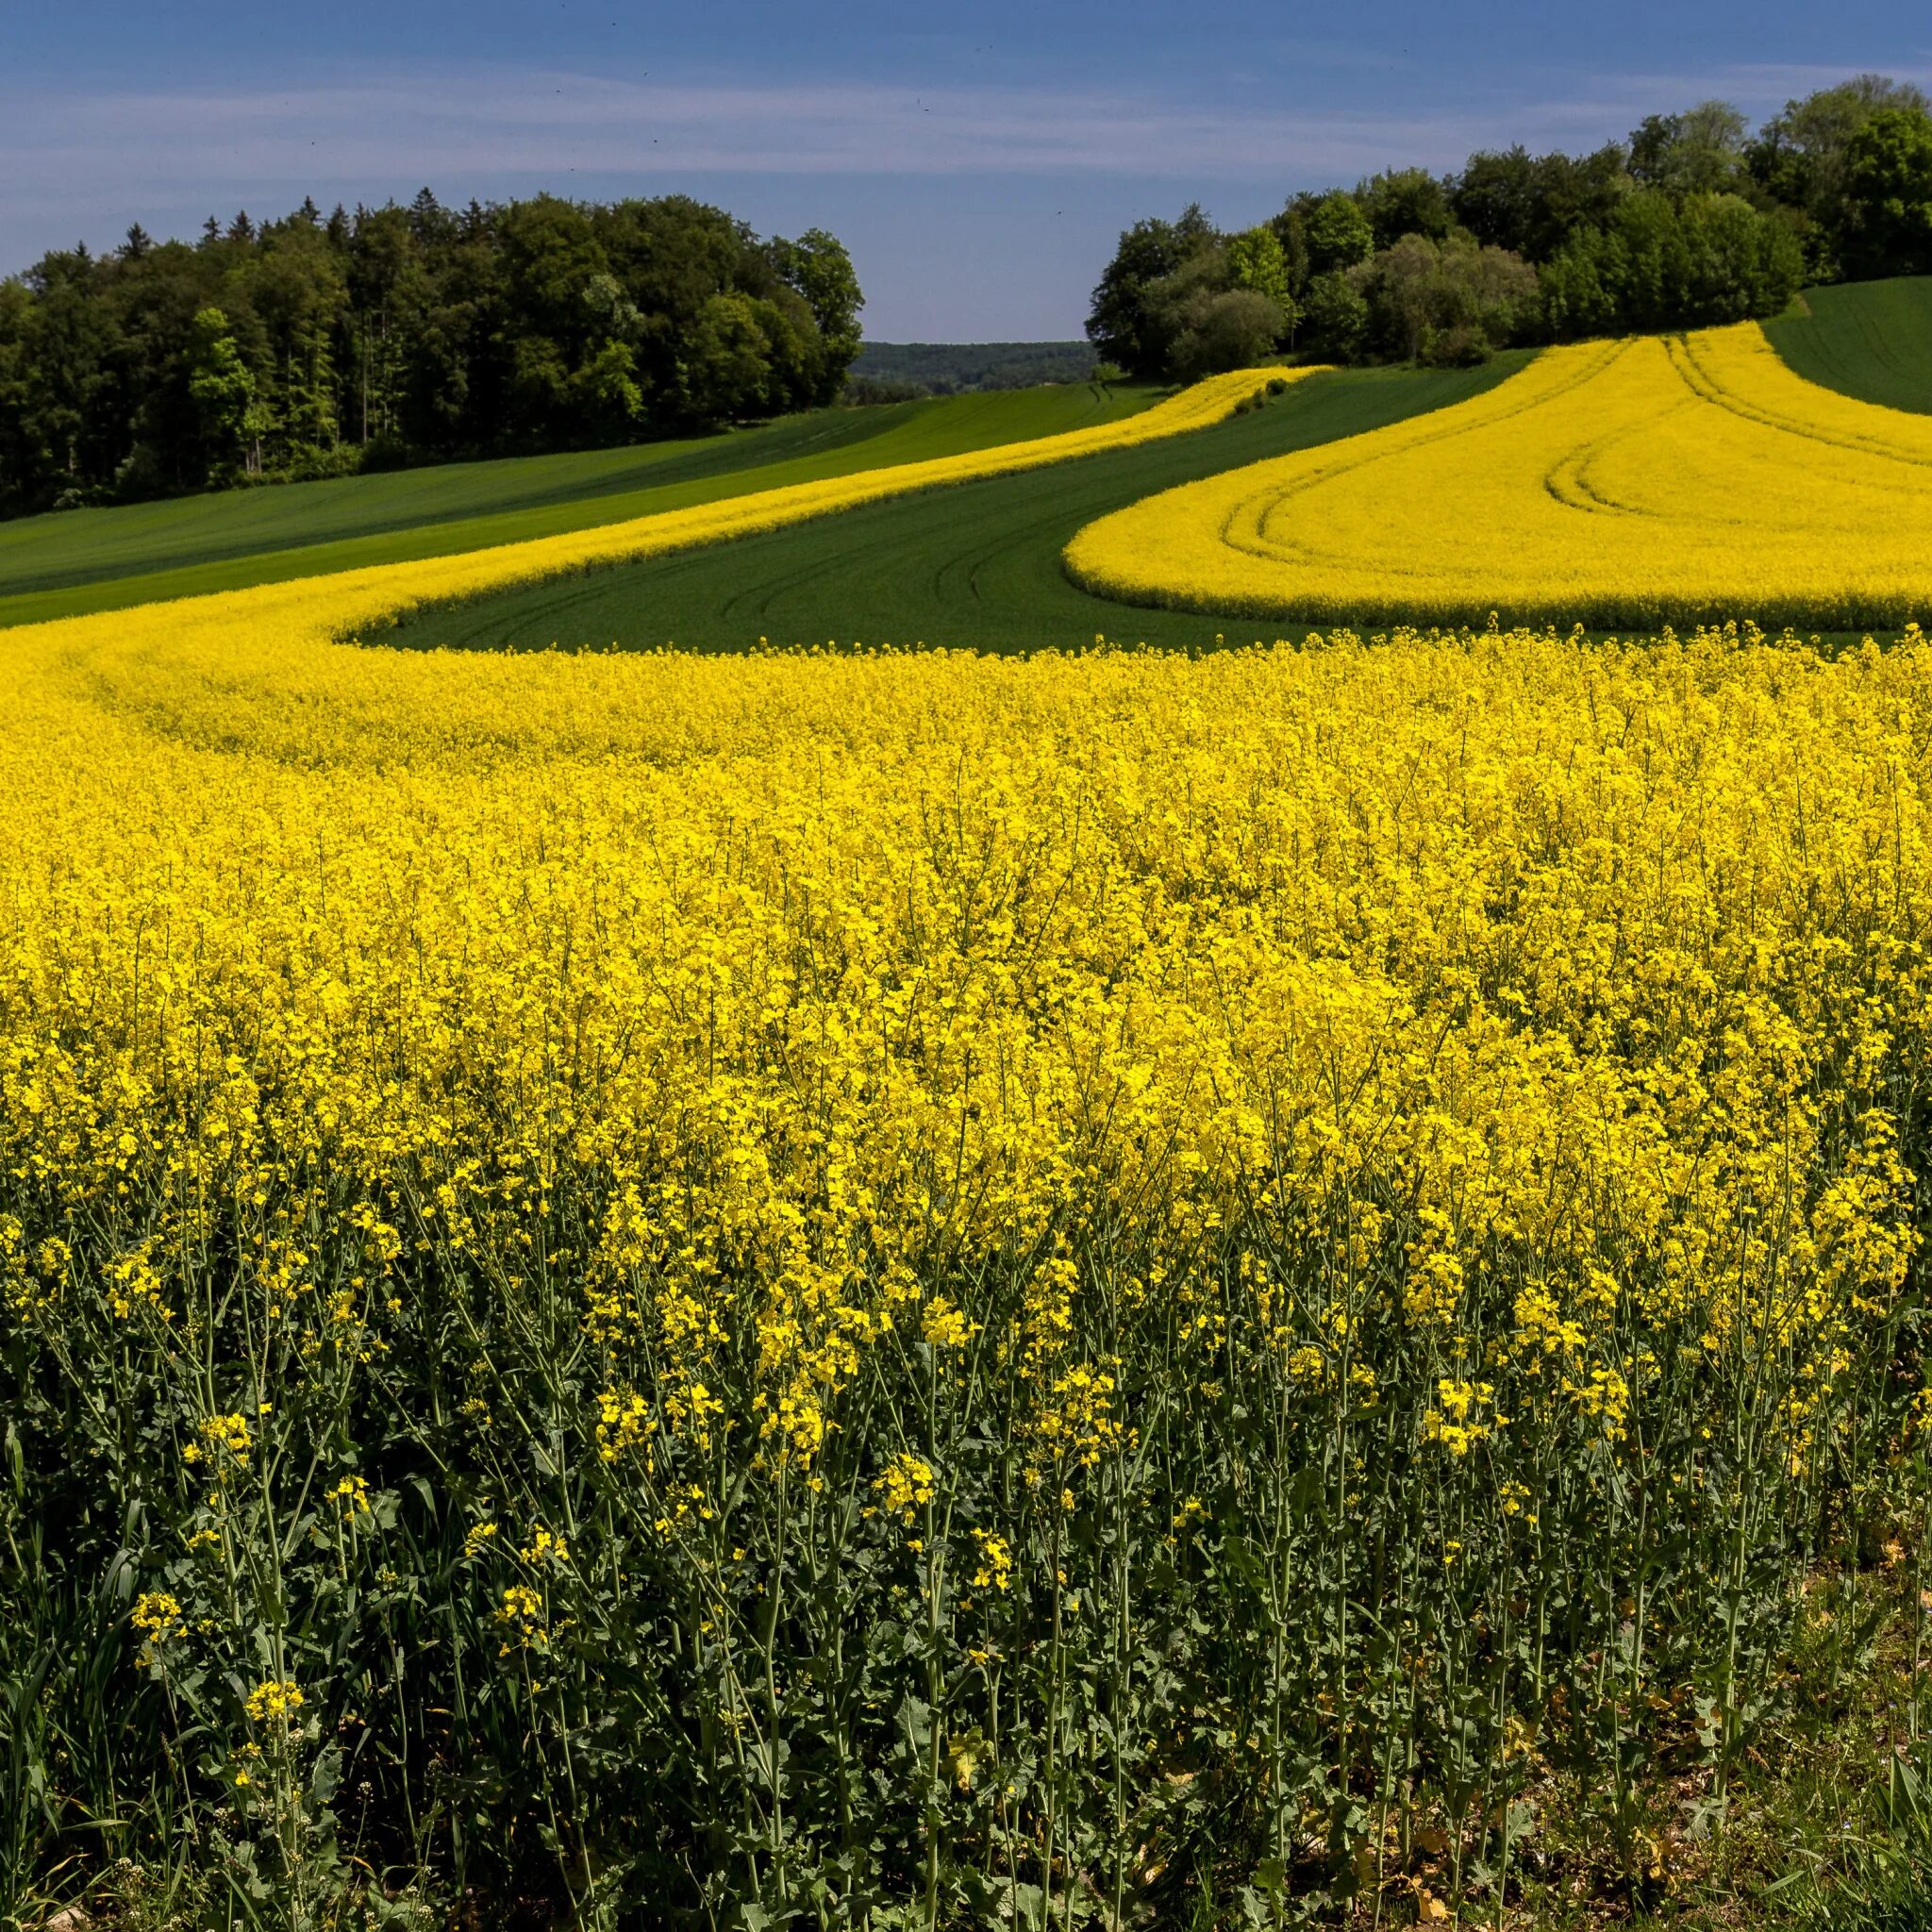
x=158 y=1618
x=1463 y=1417
x=546 y=1546
x=904 y=1486
x=351 y=1495
x=621 y=1420
x=274 y=1701
x=1073 y=1425
x=994 y=1568
x=1661 y=479
x=521 y=1616
x=945 y=1325
x=227 y=1436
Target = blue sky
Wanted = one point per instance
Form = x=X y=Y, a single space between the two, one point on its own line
x=977 y=162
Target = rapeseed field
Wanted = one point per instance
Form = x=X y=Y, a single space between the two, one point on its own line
x=75 y=562
x=887 y=1289
x=1658 y=480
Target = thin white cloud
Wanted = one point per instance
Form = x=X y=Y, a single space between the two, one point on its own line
x=457 y=124
x=466 y=123
x=869 y=160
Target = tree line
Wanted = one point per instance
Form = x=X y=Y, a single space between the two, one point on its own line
x=905 y=372
x=1695 y=220
x=314 y=345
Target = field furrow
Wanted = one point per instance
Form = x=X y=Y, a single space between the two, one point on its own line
x=1744 y=491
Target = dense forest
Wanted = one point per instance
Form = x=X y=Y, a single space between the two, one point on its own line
x=318 y=345
x=1695 y=220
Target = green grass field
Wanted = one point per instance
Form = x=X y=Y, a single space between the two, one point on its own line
x=1869 y=340
x=103 y=560
x=977 y=565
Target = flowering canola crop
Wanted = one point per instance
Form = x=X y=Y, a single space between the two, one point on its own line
x=383 y=592
x=1633 y=483
x=656 y=1231
x=267 y=649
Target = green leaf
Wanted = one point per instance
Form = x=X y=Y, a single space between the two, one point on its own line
x=327 y=1778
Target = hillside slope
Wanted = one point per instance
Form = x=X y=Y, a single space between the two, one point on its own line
x=944 y=367
x=1656 y=480
x=1868 y=340
x=976 y=566
x=1871 y=340
x=983 y=566
x=103 y=559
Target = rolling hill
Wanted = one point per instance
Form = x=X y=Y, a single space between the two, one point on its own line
x=103 y=559
x=972 y=568
x=946 y=367
x=981 y=566
x=977 y=565
x=1868 y=340
x=1630 y=485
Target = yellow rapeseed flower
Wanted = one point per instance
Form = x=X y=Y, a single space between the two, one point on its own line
x=276 y=1700
x=1668 y=478
x=904 y=1485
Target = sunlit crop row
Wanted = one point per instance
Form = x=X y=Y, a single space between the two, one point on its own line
x=798 y=1280
x=1662 y=480
x=194 y=667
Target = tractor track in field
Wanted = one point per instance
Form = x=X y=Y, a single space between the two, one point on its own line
x=977 y=565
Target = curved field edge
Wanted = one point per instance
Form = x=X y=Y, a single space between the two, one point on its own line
x=672 y=532
x=977 y=569
x=281 y=654
x=81 y=561
x=1871 y=340
x=345 y=602
x=1264 y=545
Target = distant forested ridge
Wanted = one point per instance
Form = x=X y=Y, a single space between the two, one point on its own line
x=1694 y=221
x=942 y=369
x=317 y=344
